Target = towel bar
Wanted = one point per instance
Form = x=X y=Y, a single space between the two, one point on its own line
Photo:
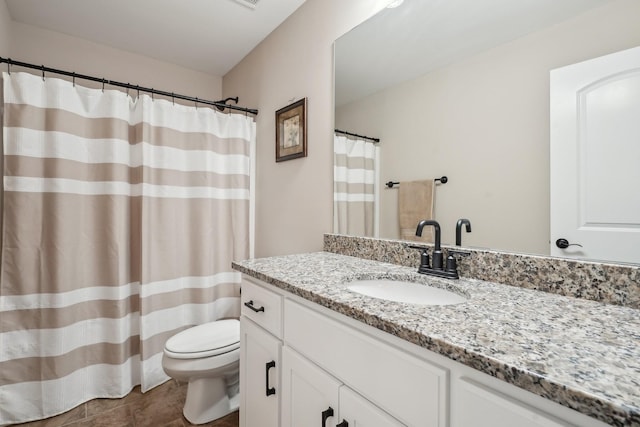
x=442 y=180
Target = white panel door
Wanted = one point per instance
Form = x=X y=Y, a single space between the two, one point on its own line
x=309 y=394
x=595 y=158
x=259 y=376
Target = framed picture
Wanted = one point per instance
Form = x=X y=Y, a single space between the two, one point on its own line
x=291 y=131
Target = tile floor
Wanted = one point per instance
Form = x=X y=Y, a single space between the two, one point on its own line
x=159 y=407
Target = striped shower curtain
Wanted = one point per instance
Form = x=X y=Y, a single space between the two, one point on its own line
x=120 y=221
x=354 y=186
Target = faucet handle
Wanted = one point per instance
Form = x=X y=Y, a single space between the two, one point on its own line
x=452 y=264
x=424 y=256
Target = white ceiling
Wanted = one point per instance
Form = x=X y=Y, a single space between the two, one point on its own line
x=420 y=36
x=211 y=36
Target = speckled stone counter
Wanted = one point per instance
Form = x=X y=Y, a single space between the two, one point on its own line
x=611 y=283
x=579 y=353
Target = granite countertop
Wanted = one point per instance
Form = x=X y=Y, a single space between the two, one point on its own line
x=581 y=354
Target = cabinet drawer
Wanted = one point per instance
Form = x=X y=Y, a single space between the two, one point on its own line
x=262 y=306
x=410 y=389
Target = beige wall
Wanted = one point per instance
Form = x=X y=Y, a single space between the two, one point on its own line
x=5 y=30
x=484 y=122
x=56 y=50
x=294 y=198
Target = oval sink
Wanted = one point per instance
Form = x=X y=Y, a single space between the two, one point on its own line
x=409 y=292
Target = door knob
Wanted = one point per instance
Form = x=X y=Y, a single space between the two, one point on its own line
x=564 y=244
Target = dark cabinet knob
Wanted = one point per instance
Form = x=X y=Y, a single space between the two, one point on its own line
x=344 y=423
x=564 y=244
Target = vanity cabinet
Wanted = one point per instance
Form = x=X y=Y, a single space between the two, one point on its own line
x=260 y=356
x=338 y=372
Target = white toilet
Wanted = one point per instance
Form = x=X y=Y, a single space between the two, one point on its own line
x=208 y=357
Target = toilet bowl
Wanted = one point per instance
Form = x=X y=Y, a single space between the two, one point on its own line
x=206 y=356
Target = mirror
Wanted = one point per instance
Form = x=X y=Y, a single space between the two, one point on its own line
x=460 y=88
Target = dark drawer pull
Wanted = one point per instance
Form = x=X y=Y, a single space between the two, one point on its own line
x=344 y=423
x=270 y=390
x=250 y=305
x=326 y=414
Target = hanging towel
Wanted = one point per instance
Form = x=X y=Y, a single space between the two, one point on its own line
x=415 y=203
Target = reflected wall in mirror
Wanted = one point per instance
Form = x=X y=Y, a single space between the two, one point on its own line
x=461 y=88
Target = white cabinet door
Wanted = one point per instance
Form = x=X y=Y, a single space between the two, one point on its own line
x=259 y=376
x=595 y=158
x=356 y=411
x=309 y=394
x=475 y=405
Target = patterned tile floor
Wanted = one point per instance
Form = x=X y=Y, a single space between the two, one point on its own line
x=159 y=407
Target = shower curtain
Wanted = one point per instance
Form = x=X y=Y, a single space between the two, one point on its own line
x=121 y=217
x=355 y=178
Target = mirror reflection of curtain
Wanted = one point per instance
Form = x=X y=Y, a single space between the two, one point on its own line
x=121 y=219
x=354 y=187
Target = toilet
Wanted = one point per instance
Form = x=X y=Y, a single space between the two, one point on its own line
x=206 y=356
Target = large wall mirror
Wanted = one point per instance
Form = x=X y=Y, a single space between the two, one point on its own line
x=460 y=88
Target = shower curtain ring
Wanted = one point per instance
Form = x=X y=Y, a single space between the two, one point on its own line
x=42 y=67
x=173 y=99
x=152 y=91
x=103 y=85
x=74 y=79
x=9 y=66
x=196 y=103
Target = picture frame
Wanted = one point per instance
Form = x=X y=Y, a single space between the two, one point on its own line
x=291 y=131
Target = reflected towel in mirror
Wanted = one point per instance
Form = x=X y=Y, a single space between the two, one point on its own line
x=415 y=203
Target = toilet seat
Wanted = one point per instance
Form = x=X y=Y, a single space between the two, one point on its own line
x=206 y=340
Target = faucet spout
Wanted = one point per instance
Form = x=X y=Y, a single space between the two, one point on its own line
x=435 y=225
x=459 y=224
x=437 y=251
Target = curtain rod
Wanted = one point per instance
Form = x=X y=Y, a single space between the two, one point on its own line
x=220 y=105
x=358 y=136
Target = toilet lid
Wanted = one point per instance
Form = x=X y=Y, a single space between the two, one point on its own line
x=208 y=339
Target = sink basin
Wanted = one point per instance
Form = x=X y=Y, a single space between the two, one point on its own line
x=402 y=291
